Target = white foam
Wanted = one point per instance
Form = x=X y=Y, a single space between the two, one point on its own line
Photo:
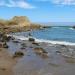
x=55 y=42
x=42 y=40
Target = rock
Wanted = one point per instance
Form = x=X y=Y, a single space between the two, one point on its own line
x=6 y=38
x=58 y=52
x=5 y=45
x=15 y=41
x=35 y=43
x=40 y=51
x=18 y=54
x=23 y=46
x=31 y=39
x=63 y=45
x=73 y=27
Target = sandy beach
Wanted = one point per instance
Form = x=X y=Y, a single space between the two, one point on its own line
x=42 y=58
x=6 y=62
x=29 y=57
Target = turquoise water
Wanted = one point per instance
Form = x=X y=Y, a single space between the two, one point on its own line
x=66 y=34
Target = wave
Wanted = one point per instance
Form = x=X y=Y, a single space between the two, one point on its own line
x=42 y=40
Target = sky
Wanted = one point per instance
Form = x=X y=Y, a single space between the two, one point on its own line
x=39 y=10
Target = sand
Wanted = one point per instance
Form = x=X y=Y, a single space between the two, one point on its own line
x=6 y=62
x=33 y=63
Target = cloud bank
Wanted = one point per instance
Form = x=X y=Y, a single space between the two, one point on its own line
x=16 y=3
x=60 y=2
x=64 y=2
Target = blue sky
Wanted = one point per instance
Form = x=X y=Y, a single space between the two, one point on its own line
x=39 y=10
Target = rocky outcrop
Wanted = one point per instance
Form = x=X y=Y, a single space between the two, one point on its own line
x=16 y=20
x=21 y=20
x=17 y=24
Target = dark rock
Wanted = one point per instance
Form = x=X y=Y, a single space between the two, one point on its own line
x=63 y=45
x=5 y=45
x=73 y=27
x=58 y=52
x=22 y=48
x=31 y=39
x=23 y=44
x=15 y=41
x=35 y=43
x=18 y=54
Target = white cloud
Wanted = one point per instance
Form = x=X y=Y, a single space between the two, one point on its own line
x=64 y=2
x=19 y=3
x=60 y=2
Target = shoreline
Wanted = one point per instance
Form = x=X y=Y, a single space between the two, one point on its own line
x=42 y=40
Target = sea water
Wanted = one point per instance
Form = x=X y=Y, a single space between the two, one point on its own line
x=54 y=35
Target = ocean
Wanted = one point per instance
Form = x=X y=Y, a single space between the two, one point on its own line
x=56 y=35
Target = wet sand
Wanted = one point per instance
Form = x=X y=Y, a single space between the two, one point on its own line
x=56 y=62
x=6 y=62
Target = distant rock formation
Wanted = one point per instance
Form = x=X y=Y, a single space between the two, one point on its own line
x=73 y=27
x=16 y=20
x=21 y=20
x=18 y=24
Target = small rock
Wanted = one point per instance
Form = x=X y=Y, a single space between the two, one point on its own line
x=40 y=51
x=35 y=43
x=5 y=45
x=31 y=39
x=58 y=52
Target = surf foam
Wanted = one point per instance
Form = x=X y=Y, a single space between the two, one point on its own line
x=42 y=40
